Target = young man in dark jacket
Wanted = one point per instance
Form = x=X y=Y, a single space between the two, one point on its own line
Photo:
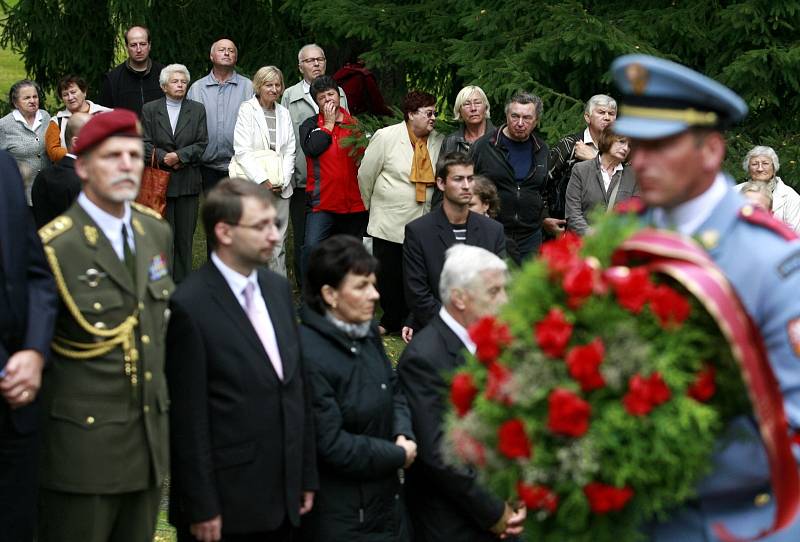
x=134 y=82
x=515 y=159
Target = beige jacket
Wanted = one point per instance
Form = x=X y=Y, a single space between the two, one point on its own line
x=383 y=180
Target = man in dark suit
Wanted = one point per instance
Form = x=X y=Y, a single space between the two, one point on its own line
x=428 y=237
x=27 y=316
x=243 y=454
x=446 y=502
x=175 y=130
x=56 y=187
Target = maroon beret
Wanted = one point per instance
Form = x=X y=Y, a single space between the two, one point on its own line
x=119 y=122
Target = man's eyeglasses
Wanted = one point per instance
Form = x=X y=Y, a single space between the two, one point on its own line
x=429 y=114
x=318 y=59
x=260 y=227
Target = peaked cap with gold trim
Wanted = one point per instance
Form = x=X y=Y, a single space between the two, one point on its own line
x=661 y=98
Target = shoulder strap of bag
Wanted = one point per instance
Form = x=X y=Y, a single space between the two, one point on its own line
x=613 y=198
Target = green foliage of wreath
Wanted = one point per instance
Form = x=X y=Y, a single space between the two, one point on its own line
x=658 y=457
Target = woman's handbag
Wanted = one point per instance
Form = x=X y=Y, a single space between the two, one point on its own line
x=267 y=160
x=153 y=189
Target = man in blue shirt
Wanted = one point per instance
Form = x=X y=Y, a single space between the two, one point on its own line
x=221 y=92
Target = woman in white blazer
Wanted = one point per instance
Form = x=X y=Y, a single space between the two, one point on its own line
x=263 y=122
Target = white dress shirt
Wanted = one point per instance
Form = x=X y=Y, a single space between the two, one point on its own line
x=460 y=331
x=607 y=177
x=110 y=225
x=237 y=283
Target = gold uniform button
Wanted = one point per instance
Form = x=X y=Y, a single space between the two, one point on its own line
x=100 y=325
x=146 y=409
x=97 y=306
x=762 y=499
x=145 y=339
x=148 y=376
x=141 y=306
x=90 y=420
x=165 y=293
x=747 y=210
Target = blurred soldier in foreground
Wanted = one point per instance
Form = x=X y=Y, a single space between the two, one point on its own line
x=675 y=118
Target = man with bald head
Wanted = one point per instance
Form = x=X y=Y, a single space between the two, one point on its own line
x=56 y=187
x=298 y=100
x=221 y=92
x=134 y=82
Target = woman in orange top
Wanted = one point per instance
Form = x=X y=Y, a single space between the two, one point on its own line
x=72 y=89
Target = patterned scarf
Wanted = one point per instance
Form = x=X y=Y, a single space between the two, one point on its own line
x=421 y=168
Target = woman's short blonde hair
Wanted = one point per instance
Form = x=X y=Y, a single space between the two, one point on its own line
x=266 y=75
x=464 y=95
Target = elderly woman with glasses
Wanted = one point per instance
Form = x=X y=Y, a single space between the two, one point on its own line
x=397 y=181
x=762 y=165
x=471 y=109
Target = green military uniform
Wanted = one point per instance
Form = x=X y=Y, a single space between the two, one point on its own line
x=104 y=395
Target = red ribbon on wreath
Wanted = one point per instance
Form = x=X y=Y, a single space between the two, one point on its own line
x=682 y=259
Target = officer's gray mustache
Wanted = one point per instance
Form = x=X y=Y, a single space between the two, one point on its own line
x=124 y=178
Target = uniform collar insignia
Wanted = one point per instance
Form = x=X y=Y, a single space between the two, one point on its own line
x=137 y=226
x=90 y=232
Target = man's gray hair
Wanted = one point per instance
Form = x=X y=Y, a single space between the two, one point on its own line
x=762 y=150
x=599 y=100
x=163 y=78
x=526 y=98
x=463 y=265
x=305 y=48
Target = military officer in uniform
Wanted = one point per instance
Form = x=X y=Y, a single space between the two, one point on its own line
x=674 y=117
x=104 y=397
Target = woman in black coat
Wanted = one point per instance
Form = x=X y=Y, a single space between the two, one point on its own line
x=364 y=436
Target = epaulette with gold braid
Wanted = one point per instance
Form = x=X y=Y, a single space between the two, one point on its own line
x=54 y=228
x=144 y=209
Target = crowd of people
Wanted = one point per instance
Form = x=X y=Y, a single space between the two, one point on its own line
x=267 y=425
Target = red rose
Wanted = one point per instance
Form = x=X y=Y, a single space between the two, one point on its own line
x=631 y=286
x=553 y=333
x=644 y=394
x=658 y=389
x=562 y=253
x=703 y=387
x=604 y=498
x=490 y=337
x=583 y=363
x=634 y=204
x=578 y=282
x=512 y=440
x=669 y=306
x=537 y=497
x=567 y=413
x=498 y=378
x=463 y=392
x=468 y=449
